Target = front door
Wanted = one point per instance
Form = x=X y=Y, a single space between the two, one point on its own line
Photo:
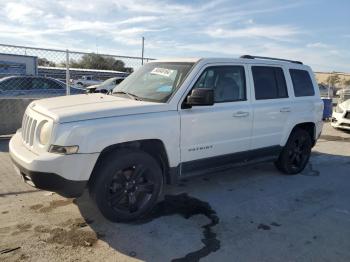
x=211 y=132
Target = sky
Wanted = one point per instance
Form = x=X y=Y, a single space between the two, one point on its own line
x=316 y=32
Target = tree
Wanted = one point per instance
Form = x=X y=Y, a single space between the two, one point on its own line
x=347 y=83
x=45 y=62
x=333 y=79
x=96 y=61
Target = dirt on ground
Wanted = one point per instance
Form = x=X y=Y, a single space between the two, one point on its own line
x=245 y=214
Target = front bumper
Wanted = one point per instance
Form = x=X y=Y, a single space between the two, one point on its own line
x=338 y=121
x=66 y=175
x=51 y=182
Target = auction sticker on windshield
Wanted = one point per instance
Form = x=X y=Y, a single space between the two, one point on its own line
x=162 y=71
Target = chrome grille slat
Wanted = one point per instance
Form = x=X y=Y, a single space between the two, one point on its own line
x=31 y=136
x=28 y=129
x=25 y=128
x=29 y=125
x=23 y=125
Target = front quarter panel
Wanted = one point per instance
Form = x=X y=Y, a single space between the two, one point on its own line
x=93 y=136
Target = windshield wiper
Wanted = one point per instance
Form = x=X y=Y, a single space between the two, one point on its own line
x=135 y=97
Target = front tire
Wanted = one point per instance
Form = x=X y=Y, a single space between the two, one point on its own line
x=296 y=153
x=127 y=185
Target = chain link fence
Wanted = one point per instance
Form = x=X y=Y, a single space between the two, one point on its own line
x=29 y=73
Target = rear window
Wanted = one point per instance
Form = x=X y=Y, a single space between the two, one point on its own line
x=302 y=83
x=269 y=82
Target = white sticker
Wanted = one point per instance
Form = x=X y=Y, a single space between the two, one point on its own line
x=162 y=71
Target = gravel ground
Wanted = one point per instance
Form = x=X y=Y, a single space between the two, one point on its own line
x=245 y=214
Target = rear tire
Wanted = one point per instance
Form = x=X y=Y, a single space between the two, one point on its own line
x=126 y=185
x=296 y=153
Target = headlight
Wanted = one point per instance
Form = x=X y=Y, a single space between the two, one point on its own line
x=44 y=133
x=338 y=109
x=63 y=150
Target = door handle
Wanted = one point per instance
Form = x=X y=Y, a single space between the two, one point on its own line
x=285 y=109
x=241 y=114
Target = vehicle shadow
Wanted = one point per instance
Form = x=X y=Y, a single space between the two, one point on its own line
x=187 y=234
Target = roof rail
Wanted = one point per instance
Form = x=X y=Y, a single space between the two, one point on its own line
x=270 y=58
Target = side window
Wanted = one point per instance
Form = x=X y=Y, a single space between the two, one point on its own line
x=38 y=83
x=269 y=82
x=17 y=83
x=53 y=84
x=228 y=83
x=9 y=84
x=41 y=83
x=302 y=83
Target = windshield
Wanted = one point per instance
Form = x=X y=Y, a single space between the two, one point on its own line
x=154 y=81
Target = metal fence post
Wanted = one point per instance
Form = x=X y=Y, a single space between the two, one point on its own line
x=67 y=73
x=143 y=49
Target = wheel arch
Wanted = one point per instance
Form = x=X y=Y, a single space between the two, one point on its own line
x=154 y=147
x=309 y=127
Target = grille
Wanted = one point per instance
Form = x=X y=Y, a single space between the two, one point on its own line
x=347 y=115
x=345 y=124
x=28 y=129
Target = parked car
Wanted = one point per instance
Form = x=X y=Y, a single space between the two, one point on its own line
x=85 y=81
x=341 y=115
x=170 y=119
x=105 y=86
x=33 y=87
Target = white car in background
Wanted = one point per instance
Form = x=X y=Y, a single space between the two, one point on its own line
x=85 y=81
x=341 y=115
x=106 y=86
x=344 y=94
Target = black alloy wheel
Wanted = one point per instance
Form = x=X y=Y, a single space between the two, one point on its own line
x=126 y=184
x=296 y=153
x=130 y=189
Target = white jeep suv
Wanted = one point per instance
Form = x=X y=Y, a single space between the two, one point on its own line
x=168 y=120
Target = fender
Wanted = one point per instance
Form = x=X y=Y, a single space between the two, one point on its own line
x=94 y=136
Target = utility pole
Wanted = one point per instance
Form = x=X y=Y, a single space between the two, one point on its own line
x=329 y=83
x=96 y=45
x=143 y=49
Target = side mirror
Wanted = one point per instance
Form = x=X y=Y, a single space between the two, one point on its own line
x=201 y=97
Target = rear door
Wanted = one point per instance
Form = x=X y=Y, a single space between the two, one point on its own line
x=271 y=105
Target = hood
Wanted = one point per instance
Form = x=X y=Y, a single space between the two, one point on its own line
x=65 y=109
x=93 y=86
x=345 y=104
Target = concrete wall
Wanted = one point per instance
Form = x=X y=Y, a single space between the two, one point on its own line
x=11 y=114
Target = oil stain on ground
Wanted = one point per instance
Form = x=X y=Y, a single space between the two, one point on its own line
x=69 y=233
x=53 y=204
x=72 y=237
x=21 y=228
x=187 y=207
x=264 y=227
